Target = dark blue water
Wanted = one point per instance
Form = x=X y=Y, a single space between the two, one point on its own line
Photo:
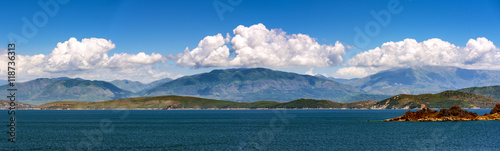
x=242 y=130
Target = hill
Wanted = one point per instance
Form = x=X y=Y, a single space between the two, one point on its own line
x=185 y=102
x=5 y=104
x=426 y=79
x=489 y=91
x=248 y=85
x=404 y=101
x=158 y=102
x=440 y=100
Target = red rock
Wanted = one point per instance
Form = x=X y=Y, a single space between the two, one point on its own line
x=455 y=113
x=495 y=109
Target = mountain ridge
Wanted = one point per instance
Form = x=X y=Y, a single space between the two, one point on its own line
x=253 y=84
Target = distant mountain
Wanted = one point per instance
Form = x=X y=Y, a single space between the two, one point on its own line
x=136 y=86
x=255 y=84
x=2 y=82
x=427 y=79
x=132 y=86
x=159 y=82
x=440 y=100
x=25 y=90
x=45 y=90
x=339 y=80
x=79 y=90
x=489 y=91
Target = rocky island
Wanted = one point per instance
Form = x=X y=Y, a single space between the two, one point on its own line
x=455 y=113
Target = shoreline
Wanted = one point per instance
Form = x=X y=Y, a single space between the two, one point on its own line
x=233 y=109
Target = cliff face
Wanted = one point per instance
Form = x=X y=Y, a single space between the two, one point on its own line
x=455 y=113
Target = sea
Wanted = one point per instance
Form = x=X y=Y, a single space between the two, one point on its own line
x=241 y=130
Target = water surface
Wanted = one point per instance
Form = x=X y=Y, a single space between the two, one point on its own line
x=242 y=130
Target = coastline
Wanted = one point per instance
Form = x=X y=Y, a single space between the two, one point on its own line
x=228 y=109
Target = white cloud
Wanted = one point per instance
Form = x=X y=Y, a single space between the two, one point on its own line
x=257 y=46
x=211 y=51
x=479 y=53
x=88 y=59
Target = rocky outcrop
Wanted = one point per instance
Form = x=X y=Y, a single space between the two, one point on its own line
x=496 y=109
x=455 y=113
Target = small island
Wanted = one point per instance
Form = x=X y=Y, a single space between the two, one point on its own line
x=455 y=113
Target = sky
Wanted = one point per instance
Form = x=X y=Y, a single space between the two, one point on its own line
x=150 y=40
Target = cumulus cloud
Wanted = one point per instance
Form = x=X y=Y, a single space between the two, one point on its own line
x=478 y=53
x=88 y=58
x=211 y=51
x=257 y=46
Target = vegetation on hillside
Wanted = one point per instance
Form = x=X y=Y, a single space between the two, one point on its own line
x=489 y=91
x=440 y=100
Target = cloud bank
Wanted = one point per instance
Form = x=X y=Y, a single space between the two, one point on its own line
x=478 y=53
x=88 y=59
x=257 y=46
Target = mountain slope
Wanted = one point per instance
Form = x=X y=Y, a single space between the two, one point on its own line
x=253 y=85
x=427 y=79
x=489 y=91
x=136 y=86
x=78 y=90
x=26 y=90
x=440 y=100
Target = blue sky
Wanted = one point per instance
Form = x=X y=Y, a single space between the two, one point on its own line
x=168 y=27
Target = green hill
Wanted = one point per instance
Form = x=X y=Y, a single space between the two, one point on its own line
x=5 y=104
x=180 y=102
x=311 y=103
x=158 y=102
x=489 y=91
x=440 y=100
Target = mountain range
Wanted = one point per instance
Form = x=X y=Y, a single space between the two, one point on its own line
x=426 y=79
x=261 y=84
x=136 y=86
x=257 y=84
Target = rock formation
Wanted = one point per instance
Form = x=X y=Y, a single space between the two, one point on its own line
x=455 y=113
x=496 y=109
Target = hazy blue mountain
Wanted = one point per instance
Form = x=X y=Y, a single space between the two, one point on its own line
x=339 y=80
x=44 y=90
x=489 y=91
x=255 y=84
x=3 y=82
x=136 y=86
x=78 y=90
x=132 y=86
x=427 y=79
x=158 y=82
x=26 y=90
